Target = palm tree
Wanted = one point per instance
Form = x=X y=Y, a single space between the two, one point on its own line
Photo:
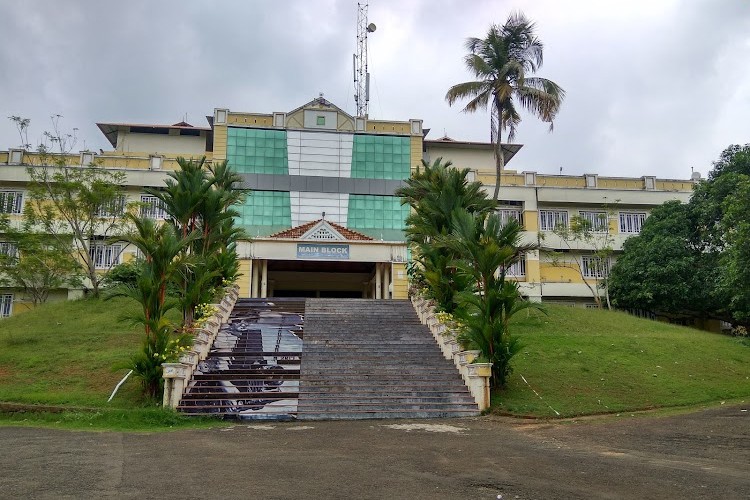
x=501 y=62
x=486 y=248
x=435 y=193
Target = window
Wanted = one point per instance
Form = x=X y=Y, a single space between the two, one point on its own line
x=517 y=269
x=550 y=219
x=631 y=222
x=11 y=202
x=112 y=208
x=105 y=256
x=321 y=121
x=8 y=248
x=509 y=214
x=6 y=305
x=594 y=267
x=153 y=208
x=596 y=221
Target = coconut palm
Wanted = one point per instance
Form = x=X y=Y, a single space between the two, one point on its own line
x=501 y=63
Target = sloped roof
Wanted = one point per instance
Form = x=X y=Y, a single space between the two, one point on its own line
x=319 y=102
x=298 y=231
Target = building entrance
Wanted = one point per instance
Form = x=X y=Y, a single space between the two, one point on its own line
x=299 y=278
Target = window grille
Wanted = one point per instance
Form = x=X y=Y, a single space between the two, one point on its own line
x=594 y=267
x=508 y=214
x=517 y=269
x=597 y=221
x=105 y=256
x=113 y=208
x=153 y=208
x=551 y=219
x=6 y=305
x=11 y=202
x=8 y=248
x=631 y=222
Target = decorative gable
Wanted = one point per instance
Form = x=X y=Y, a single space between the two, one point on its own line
x=323 y=231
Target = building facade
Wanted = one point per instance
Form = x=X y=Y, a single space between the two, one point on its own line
x=322 y=218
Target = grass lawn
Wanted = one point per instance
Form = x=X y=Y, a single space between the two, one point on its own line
x=73 y=354
x=588 y=361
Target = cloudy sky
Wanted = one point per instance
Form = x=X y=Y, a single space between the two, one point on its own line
x=654 y=87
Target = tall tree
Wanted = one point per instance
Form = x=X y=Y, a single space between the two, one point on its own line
x=435 y=194
x=80 y=205
x=199 y=199
x=503 y=63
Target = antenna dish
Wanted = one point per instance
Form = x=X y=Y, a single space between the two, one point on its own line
x=371 y=27
x=695 y=176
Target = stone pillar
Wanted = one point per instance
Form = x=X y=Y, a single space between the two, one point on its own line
x=250 y=279
x=378 y=282
x=386 y=280
x=175 y=376
x=264 y=279
x=256 y=279
x=478 y=380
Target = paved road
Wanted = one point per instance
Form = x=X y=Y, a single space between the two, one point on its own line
x=698 y=455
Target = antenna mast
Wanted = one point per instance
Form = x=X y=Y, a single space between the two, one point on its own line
x=361 y=75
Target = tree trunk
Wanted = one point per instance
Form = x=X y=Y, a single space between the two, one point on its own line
x=499 y=166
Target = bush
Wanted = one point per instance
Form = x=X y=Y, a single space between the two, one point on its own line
x=126 y=274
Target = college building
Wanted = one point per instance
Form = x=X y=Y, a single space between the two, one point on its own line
x=322 y=219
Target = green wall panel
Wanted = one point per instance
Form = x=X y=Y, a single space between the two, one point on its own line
x=257 y=151
x=265 y=212
x=381 y=157
x=377 y=216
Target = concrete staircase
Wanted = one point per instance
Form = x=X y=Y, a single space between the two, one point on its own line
x=373 y=359
x=354 y=359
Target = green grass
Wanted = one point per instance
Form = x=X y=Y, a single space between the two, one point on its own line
x=588 y=361
x=71 y=355
x=579 y=361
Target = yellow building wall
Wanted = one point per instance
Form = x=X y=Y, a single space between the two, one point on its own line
x=389 y=127
x=533 y=271
x=220 y=142
x=531 y=220
x=416 y=152
x=400 y=280
x=243 y=281
x=252 y=119
x=567 y=273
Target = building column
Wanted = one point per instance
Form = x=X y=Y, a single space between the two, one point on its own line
x=255 y=278
x=264 y=279
x=251 y=271
x=378 y=282
x=386 y=280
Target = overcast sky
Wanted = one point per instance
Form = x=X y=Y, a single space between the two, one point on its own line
x=654 y=87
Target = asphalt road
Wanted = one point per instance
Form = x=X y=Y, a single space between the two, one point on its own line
x=699 y=455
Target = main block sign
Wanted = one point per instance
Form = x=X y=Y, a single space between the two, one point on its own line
x=319 y=251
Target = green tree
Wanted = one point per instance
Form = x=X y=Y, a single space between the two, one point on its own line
x=664 y=269
x=435 y=193
x=80 y=206
x=486 y=248
x=590 y=247
x=35 y=262
x=161 y=247
x=199 y=199
x=503 y=63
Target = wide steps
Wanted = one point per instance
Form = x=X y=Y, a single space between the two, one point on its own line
x=358 y=359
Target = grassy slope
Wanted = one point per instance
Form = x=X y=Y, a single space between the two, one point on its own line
x=579 y=361
x=583 y=362
x=65 y=353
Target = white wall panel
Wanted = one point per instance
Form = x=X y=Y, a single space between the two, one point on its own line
x=308 y=207
x=323 y=154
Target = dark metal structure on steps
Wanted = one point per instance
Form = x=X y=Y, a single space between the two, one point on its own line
x=311 y=359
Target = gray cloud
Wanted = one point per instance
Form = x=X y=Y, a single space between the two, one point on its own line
x=652 y=87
